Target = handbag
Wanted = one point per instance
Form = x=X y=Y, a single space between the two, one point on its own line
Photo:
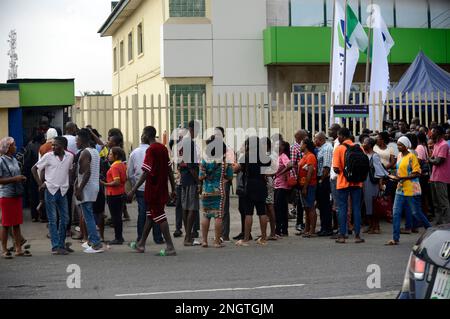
x=18 y=187
x=383 y=206
x=372 y=177
x=292 y=180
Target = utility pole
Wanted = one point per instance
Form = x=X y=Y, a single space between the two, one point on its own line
x=12 y=72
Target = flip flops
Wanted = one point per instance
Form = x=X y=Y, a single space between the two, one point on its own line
x=391 y=243
x=164 y=253
x=7 y=255
x=242 y=243
x=25 y=253
x=261 y=242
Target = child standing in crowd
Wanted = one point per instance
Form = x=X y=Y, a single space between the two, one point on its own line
x=116 y=178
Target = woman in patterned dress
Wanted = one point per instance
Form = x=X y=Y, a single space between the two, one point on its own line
x=214 y=172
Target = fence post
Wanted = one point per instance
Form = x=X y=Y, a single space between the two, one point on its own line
x=189 y=107
x=407 y=107
x=292 y=114
x=354 y=119
x=299 y=113
x=413 y=104
x=320 y=112
x=433 y=118
x=167 y=111
x=439 y=108
x=420 y=108
x=226 y=109
x=327 y=110
x=285 y=114
x=445 y=105
x=269 y=114
x=159 y=119
x=306 y=112
x=380 y=110
x=261 y=110
x=135 y=119
x=152 y=107
x=426 y=110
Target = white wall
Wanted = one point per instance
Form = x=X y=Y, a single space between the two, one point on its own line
x=186 y=50
x=238 y=48
x=238 y=19
x=230 y=49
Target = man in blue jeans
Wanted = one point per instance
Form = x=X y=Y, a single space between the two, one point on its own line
x=134 y=173
x=346 y=189
x=57 y=166
x=87 y=187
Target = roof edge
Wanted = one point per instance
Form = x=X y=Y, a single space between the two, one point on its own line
x=113 y=16
x=38 y=80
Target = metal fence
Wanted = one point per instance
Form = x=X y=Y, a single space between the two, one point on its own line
x=284 y=113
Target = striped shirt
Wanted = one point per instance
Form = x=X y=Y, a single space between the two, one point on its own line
x=296 y=153
x=324 y=158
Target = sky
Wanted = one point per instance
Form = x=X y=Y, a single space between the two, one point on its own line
x=58 y=39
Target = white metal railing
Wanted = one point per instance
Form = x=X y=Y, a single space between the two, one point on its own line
x=284 y=113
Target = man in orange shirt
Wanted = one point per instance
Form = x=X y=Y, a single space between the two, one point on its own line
x=345 y=189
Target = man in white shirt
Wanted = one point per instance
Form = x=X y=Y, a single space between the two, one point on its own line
x=333 y=133
x=71 y=132
x=134 y=172
x=57 y=166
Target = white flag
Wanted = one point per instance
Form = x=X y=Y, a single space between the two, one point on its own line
x=356 y=41
x=379 y=78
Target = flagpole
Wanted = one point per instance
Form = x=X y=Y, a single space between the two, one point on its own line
x=345 y=52
x=330 y=94
x=368 y=53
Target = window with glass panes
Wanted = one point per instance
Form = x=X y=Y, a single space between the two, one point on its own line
x=130 y=46
x=140 y=39
x=187 y=8
x=193 y=90
x=121 y=54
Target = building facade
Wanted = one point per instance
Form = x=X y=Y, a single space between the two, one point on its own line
x=215 y=47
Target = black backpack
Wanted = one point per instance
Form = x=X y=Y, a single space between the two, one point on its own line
x=356 y=165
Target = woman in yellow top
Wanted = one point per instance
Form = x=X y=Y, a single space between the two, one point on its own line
x=408 y=188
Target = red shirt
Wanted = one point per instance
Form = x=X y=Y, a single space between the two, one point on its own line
x=303 y=167
x=156 y=164
x=118 y=170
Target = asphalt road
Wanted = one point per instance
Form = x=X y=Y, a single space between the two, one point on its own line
x=292 y=267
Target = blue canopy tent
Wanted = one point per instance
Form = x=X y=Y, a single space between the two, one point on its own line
x=424 y=77
x=423 y=84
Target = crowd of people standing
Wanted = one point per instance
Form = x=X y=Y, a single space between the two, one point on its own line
x=72 y=178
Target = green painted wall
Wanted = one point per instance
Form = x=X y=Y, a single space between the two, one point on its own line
x=292 y=45
x=47 y=94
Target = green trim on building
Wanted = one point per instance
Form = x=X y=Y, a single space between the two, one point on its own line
x=298 y=45
x=47 y=94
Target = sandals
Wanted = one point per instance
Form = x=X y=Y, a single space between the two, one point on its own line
x=7 y=255
x=391 y=243
x=219 y=245
x=340 y=240
x=242 y=243
x=272 y=238
x=205 y=245
x=25 y=253
x=261 y=242
x=164 y=253
x=359 y=240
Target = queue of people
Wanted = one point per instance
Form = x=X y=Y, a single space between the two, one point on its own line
x=75 y=176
